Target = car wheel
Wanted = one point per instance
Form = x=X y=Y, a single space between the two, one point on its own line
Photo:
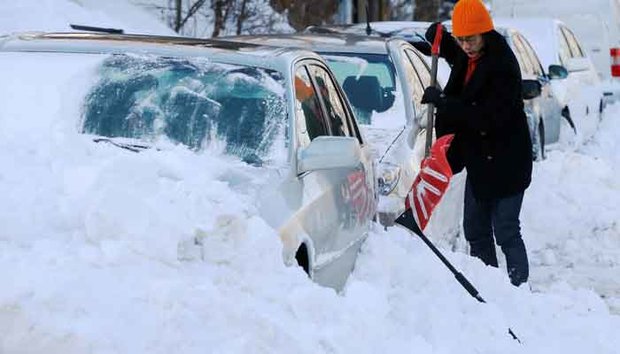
x=302 y=258
x=567 y=117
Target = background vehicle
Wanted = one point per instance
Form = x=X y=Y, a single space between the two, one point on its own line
x=596 y=24
x=286 y=118
x=580 y=94
x=384 y=80
x=544 y=112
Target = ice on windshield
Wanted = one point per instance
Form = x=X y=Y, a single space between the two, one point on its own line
x=371 y=85
x=194 y=102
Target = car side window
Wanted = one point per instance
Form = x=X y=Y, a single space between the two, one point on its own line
x=415 y=83
x=573 y=44
x=334 y=106
x=565 y=53
x=524 y=59
x=531 y=53
x=309 y=118
x=422 y=69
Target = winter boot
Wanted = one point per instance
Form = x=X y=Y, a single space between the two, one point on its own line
x=516 y=261
x=485 y=250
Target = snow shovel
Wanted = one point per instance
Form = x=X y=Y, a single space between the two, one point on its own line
x=430 y=115
x=426 y=191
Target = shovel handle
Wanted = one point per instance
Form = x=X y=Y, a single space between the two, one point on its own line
x=430 y=115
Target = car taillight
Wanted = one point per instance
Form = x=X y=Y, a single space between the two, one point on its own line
x=615 y=61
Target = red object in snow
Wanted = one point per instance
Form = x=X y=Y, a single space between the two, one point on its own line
x=431 y=183
x=615 y=61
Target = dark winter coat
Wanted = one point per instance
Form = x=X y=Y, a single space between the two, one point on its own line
x=492 y=138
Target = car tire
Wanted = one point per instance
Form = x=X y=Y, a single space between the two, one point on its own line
x=302 y=258
x=567 y=117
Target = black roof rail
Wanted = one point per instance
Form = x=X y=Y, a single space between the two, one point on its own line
x=97 y=29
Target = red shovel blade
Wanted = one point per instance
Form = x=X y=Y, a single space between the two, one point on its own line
x=431 y=183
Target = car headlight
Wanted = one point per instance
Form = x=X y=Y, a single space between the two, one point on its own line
x=388 y=176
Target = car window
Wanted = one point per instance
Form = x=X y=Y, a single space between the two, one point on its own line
x=190 y=101
x=573 y=44
x=531 y=54
x=334 y=106
x=415 y=82
x=565 y=53
x=421 y=68
x=524 y=60
x=371 y=85
x=309 y=117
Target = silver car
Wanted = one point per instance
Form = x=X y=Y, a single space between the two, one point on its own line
x=286 y=116
x=384 y=80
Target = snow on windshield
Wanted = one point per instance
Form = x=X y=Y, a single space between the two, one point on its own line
x=189 y=101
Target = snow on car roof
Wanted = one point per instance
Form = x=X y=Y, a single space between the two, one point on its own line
x=245 y=53
x=333 y=42
x=539 y=31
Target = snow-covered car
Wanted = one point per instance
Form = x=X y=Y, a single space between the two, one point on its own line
x=384 y=80
x=581 y=93
x=544 y=112
x=285 y=117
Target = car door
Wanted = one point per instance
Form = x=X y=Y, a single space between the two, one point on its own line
x=338 y=204
x=551 y=109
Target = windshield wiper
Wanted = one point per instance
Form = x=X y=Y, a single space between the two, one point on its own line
x=128 y=146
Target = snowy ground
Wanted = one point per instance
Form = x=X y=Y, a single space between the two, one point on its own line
x=90 y=261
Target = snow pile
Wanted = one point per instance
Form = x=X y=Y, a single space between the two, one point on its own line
x=103 y=250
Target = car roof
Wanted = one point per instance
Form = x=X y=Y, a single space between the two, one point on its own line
x=94 y=43
x=332 y=42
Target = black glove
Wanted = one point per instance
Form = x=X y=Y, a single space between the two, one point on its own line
x=435 y=96
x=430 y=32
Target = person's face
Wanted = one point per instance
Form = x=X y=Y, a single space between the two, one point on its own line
x=471 y=45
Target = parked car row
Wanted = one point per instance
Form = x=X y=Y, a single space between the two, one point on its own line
x=333 y=117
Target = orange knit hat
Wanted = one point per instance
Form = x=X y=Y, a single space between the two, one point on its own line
x=470 y=17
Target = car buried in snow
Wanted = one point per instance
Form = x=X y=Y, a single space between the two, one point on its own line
x=284 y=116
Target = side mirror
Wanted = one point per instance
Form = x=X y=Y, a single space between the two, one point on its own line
x=327 y=152
x=557 y=72
x=530 y=89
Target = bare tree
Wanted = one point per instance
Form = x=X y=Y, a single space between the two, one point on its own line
x=401 y=10
x=302 y=13
x=426 y=10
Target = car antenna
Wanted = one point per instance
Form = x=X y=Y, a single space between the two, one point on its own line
x=368 y=29
x=96 y=29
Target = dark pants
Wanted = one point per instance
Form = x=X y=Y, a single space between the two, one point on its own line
x=500 y=217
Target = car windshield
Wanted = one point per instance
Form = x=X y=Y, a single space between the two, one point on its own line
x=371 y=85
x=239 y=110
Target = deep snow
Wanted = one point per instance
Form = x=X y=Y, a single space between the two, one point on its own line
x=94 y=251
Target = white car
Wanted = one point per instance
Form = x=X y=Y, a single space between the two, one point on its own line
x=384 y=80
x=544 y=111
x=580 y=94
x=286 y=117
